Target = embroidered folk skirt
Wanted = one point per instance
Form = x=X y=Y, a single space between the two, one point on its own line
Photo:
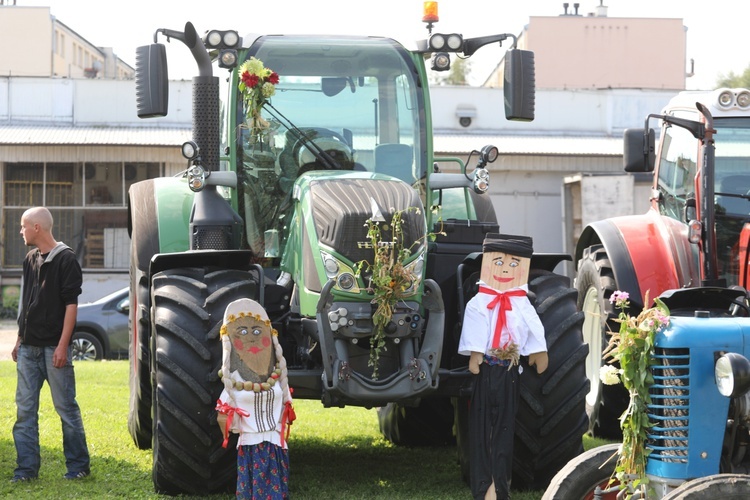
x=262 y=472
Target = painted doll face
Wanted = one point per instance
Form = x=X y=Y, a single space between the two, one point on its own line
x=503 y=271
x=251 y=340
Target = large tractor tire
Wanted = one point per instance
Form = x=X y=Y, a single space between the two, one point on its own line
x=551 y=418
x=144 y=244
x=187 y=312
x=595 y=282
x=579 y=479
x=430 y=423
x=723 y=486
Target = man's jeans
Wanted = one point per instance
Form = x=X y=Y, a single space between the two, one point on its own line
x=34 y=366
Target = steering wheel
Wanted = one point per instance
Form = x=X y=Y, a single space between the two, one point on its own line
x=327 y=140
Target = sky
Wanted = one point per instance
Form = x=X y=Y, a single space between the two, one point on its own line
x=717 y=33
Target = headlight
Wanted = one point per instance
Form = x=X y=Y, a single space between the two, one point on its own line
x=481 y=180
x=441 y=61
x=196 y=178
x=415 y=269
x=726 y=99
x=331 y=265
x=190 y=150
x=732 y=374
x=341 y=273
x=216 y=39
x=346 y=282
x=437 y=41
x=228 y=58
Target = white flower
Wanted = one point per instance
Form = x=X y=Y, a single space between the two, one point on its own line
x=609 y=375
x=268 y=89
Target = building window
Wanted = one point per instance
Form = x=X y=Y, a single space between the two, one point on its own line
x=87 y=200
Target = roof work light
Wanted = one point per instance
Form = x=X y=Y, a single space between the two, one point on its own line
x=216 y=39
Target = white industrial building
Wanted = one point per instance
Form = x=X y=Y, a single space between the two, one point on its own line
x=70 y=139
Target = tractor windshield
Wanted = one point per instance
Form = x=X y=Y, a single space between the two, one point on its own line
x=732 y=190
x=677 y=170
x=341 y=103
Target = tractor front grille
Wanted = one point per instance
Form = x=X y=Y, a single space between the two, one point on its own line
x=669 y=411
x=342 y=206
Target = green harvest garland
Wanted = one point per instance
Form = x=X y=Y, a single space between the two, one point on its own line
x=389 y=278
x=633 y=348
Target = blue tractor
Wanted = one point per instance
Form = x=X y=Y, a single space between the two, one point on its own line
x=691 y=249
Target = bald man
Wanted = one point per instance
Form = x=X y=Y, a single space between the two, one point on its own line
x=50 y=288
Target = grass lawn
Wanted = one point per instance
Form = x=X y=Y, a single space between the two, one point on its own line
x=334 y=452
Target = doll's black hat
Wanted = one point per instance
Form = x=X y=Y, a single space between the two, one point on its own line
x=520 y=246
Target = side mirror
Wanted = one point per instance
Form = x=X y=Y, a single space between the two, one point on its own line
x=123 y=306
x=519 y=85
x=151 y=80
x=639 y=153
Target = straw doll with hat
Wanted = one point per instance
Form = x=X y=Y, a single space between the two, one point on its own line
x=256 y=402
x=500 y=325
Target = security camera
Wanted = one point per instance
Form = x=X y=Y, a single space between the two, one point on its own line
x=465 y=114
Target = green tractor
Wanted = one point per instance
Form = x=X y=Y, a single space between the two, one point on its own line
x=275 y=204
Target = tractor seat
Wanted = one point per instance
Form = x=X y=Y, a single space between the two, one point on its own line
x=394 y=159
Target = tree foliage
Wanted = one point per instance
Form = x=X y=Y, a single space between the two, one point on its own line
x=733 y=80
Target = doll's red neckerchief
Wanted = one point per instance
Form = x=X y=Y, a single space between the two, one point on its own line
x=503 y=300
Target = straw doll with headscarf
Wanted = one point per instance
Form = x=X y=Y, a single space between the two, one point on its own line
x=500 y=325
x=256 y=402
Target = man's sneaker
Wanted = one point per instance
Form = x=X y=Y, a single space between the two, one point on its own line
x=21 y=479
x=77 y=475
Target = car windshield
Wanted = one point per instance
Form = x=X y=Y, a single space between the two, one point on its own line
x=340 y=104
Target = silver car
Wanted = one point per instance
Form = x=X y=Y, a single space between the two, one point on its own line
x=102 y=328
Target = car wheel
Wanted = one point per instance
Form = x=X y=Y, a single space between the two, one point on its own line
x=86 y=347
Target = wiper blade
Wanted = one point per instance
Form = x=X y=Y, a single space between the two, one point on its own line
x=745 y=196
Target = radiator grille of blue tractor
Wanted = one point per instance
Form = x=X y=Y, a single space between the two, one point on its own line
x=669 y=411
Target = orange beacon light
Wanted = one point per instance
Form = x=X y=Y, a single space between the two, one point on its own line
x=430 y=12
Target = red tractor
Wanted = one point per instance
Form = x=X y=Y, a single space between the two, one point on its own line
x=694 y=235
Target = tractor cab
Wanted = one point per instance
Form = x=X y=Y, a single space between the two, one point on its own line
x=688 y=187
x=341 y=104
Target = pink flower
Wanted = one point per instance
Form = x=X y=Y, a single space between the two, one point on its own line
x=619 y=297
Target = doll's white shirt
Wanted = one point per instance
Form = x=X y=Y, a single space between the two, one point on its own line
x=265 y=409
x=522 y=322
